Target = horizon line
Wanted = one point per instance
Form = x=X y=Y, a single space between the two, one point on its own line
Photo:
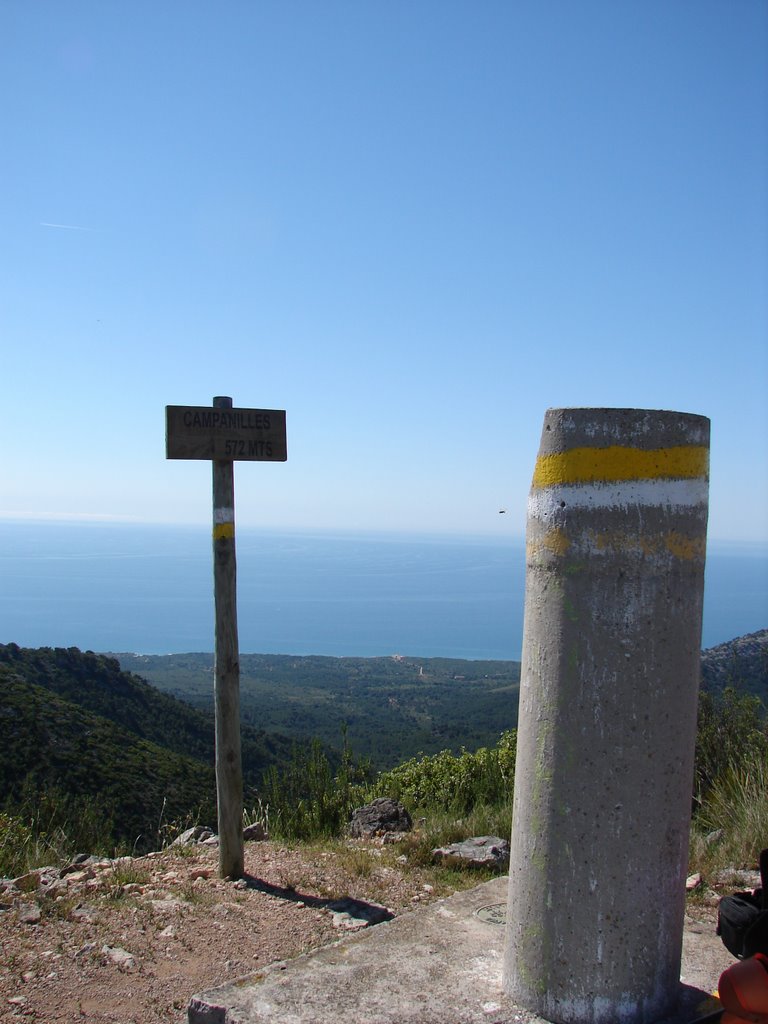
x=106 y=518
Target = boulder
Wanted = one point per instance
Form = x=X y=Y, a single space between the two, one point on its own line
x=37 y=879
x=76 y=864
x=351 y=915
x=482 y=851
x=30 y=913
x=124 y=960
x=254 y=833
x=196 y=834
x=381 y=815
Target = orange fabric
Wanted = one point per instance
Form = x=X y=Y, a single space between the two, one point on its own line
x=743 y=991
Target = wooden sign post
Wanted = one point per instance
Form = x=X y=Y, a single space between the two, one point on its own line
x=222 y=435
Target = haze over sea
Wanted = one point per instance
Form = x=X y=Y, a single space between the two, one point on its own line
x=146 y=588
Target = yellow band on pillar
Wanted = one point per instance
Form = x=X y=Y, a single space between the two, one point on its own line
x=223 y=531
x=617 y=462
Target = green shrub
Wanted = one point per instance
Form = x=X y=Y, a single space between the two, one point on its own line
x=454 y=782
x=731 y=731
x=731 y=825
x=50 y=827
x=16 y=846
x=308 y=800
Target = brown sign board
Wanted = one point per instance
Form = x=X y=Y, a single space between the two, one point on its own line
x=205 y=432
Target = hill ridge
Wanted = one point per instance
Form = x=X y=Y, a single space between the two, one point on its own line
x=78 y=725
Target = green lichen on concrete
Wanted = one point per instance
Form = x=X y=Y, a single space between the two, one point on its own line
x=538 y=861
x=531 y=939
x=542 y=776
x=573 y=659
x=574 y=568
x=570 y=609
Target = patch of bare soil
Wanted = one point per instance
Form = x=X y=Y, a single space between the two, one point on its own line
x=129 y=941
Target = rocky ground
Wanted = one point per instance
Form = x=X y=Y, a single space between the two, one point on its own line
x=129 y=941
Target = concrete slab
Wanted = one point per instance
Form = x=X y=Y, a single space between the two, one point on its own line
x=440 y=964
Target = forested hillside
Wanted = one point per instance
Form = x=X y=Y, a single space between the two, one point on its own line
x=741 y=663
x=393 y=707
x=85 y=739
x=396 y=707
x=100 y=741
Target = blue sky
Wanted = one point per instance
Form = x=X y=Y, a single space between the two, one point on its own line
x=412 y=225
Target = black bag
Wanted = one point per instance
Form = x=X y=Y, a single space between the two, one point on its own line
x=742 y=919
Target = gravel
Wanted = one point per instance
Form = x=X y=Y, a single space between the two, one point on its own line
x=131 y=940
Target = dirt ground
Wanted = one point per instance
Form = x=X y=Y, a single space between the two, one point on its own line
x=130 y=941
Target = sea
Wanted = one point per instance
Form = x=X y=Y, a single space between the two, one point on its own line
x=126 y=587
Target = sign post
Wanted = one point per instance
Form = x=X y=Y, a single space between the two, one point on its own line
x=222 y=435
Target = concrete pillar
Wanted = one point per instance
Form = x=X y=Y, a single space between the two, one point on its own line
x=615 y=547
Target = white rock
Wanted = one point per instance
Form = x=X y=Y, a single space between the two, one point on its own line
x=349 y=923
x=167 y=905
x=124 y=960
x=352 y=915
